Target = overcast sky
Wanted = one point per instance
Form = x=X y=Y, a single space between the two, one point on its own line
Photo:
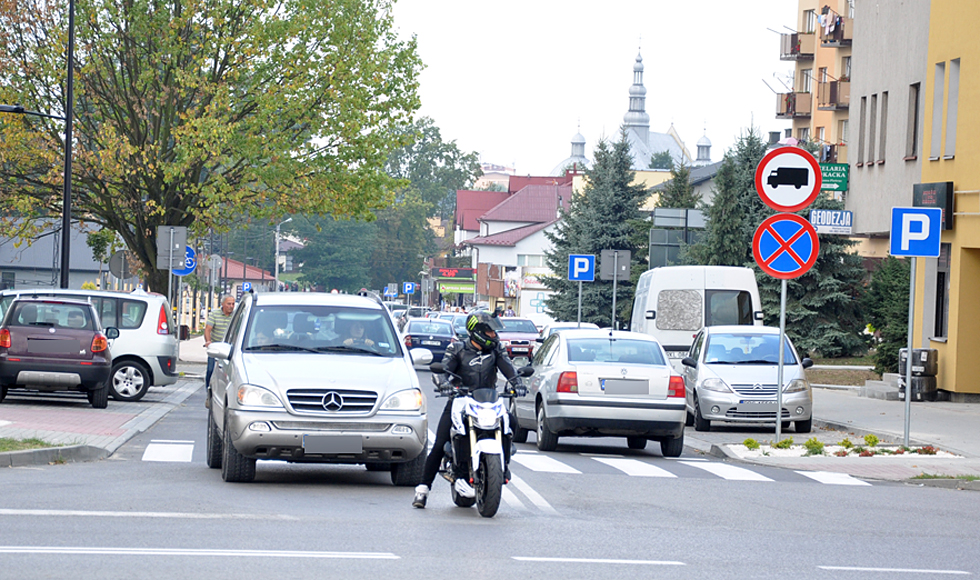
x=514 y=79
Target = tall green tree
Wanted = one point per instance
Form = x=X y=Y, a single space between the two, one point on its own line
x=887 y=306
x=188 y=111
x=336 y=252
x=599 y=218
x=402 y=241
x=433 y=167
x=662 y=160
x=678 y=192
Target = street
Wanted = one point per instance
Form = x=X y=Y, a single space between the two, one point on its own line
x=592 y=509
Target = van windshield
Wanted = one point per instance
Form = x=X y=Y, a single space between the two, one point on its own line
x=728 y=307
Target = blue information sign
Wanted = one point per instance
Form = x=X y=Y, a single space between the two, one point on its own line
x=190 y=262
x=916 y=231
x=581 y=267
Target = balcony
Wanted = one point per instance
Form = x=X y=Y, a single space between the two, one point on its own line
x=797 y=46
x=793 y=105
x=834 y=95
x=839 y=34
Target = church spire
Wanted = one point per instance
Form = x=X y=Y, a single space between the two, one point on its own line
x=637 y=118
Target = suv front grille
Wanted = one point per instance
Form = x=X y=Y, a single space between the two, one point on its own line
x=312 y=426
x=331 y=401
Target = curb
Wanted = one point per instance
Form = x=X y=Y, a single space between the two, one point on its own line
x=958 y=484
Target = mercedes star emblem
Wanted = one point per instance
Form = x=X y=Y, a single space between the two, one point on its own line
x=623 y=372
x=332 y=401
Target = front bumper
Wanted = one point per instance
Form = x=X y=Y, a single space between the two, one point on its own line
x=286 y=436
x=586 y=416
x=741 y=409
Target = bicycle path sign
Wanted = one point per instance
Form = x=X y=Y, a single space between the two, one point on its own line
x=785 y=246
x=788 y=179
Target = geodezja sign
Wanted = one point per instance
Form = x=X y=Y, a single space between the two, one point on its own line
x=788 y=179
x=785 y=246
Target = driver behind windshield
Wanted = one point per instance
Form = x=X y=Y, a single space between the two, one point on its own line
x=356 y=335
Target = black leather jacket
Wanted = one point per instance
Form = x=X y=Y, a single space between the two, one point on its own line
x=477 y=368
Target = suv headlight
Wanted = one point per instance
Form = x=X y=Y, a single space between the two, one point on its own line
x=716 y=385
x=254 y=396
x=407 y=400
x=796 y=386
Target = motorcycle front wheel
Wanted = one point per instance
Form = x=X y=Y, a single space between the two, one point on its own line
x=490 y=485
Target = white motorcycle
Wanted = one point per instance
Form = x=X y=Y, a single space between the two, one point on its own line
x=481 y=419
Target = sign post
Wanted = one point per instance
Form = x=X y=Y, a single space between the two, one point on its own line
x=785 y=245
x=581 y=268
x=916 y=232
x=615 y=266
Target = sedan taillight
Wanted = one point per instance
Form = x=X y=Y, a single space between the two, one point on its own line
x=99 y=343
x=408 y=341
x=567 y=382
x=4 y=338
x=676 y=387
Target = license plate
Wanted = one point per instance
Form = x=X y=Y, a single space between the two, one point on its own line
x=757 y=402
x=430 y=343
x=625 y=387
x=519 y=349
x=332 y=444
x=676 y=353
x=55 y=346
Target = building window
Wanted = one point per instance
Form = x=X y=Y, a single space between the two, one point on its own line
x=842 y=130
x=912 y=130
x=942 y=292
x=938 y=79
x=805 y=76
x=809 y=21
x=7 y=280
x=952 y=104
x=863 y=123
x=821 y=133
x=532 y=260
x=803 y=134
x=883 y=126
x=822 y=72
x=845 y=68
x=872 y=126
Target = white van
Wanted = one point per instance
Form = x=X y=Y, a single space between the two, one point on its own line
x=672 y=303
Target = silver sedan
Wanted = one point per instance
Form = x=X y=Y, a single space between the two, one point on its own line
x=597 y=383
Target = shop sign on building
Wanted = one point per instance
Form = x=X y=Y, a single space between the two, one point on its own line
x=834 y=176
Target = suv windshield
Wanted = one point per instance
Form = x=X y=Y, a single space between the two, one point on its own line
x=733 y=349
x=305 y=327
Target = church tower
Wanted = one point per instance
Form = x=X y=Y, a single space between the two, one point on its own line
x=637 y=118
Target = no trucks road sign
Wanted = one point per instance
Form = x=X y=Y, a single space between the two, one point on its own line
x=788 y=179
x=785 y=246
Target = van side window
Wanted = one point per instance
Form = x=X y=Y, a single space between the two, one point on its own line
x=728 y=307
x=679 y=310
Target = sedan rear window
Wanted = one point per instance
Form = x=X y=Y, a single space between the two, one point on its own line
x=614 y=350
x=746 y=349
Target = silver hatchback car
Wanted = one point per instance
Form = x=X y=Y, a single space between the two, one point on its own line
x=321 y=378
x=731 y=374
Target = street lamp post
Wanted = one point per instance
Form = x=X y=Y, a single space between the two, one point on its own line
x=66 y=195
x=276 y=281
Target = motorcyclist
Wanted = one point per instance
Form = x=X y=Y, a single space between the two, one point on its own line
x=476 y=361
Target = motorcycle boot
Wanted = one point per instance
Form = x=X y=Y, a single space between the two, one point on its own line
x=464 y=489
x=421 y=495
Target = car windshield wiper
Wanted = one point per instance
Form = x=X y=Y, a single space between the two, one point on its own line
x=292 y=347
x=342 y=348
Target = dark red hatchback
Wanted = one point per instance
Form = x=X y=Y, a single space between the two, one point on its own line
x=55 y=345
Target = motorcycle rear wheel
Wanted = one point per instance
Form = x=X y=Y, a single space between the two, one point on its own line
x=490 y=485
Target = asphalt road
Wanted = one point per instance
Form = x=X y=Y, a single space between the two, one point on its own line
x=592 y=509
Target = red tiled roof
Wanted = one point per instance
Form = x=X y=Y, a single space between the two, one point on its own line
x=534 y=203
x=470 y=205
x=518 y=183
x=508 y=238
x=234 y=271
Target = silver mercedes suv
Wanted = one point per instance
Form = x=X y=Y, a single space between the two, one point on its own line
x=310 y=377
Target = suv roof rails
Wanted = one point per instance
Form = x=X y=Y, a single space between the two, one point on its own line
x=372 y=295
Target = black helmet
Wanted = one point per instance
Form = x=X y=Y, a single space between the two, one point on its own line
x=477 y=324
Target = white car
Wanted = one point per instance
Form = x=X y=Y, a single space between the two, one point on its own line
x=731 y=375
x=600 y=383
x=556 y=326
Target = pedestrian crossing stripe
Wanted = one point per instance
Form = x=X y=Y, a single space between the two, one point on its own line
x=169 y=451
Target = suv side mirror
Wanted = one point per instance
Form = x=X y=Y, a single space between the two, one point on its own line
x=111 y=332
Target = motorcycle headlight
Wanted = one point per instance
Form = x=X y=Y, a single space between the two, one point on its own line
x=407 y=400
x=255 y=396
x=796 y=386
x=715 y=385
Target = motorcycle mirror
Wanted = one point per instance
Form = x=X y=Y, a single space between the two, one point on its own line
x=437 y=367
x=526 y=371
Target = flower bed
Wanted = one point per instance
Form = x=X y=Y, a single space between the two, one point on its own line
x=751 y=449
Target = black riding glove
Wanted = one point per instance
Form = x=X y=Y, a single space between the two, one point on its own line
x=445 y=388
x=518 y=388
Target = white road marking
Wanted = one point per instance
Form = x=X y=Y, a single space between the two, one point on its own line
x=634 y=467
x=171 y=515
x=832 y=478
x=600 y=455
x=685 y=459
x=170 y=441
x=3 y=423
x=725 y=471
x=599 y=561
x=895 y=570
x=168 y=452
x=544 y=463
x=532 y=495
x=195 y=552
x=512 y=500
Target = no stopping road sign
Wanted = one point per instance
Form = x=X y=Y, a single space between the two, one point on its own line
x=785 y=246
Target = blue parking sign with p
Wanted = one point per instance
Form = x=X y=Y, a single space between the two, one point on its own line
x=408 y=288
x=916 y=231
x=581 y=267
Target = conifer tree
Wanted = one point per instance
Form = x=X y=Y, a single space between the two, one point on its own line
x=599 y=218
x=887 y=305
x=678 y=192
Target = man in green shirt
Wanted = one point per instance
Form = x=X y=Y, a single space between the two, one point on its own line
x=215 y=329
